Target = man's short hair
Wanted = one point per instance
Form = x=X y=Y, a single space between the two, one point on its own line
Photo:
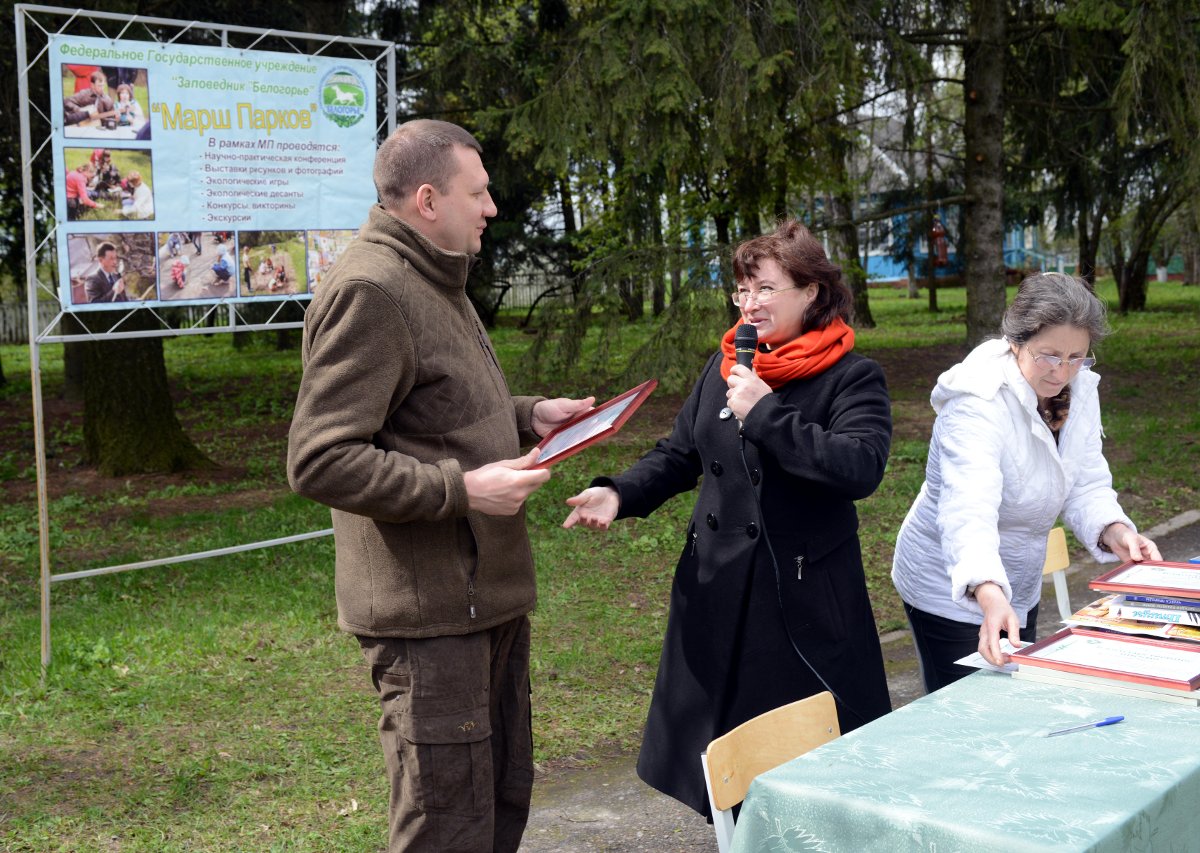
x=418 y=152
x=98 y=75
x=105 y=248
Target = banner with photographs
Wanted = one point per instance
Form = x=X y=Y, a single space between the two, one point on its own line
x=187 y=174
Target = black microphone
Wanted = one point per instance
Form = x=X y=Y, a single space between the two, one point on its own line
x=745 y=345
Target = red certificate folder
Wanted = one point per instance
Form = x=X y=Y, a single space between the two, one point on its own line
x=586 y=429
x=1121 y=657
x=1152 y=577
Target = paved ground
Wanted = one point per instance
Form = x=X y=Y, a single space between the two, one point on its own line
x=607 y=808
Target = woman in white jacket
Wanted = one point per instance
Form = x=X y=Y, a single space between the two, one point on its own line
x=1016 y=443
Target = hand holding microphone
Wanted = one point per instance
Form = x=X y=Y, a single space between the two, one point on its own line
x=745 y=388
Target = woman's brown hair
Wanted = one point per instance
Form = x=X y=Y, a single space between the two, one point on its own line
x=803 y=258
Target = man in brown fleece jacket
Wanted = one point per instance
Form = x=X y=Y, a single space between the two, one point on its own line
x=405 y=427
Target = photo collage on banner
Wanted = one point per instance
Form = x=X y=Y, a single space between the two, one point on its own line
x=187 y=175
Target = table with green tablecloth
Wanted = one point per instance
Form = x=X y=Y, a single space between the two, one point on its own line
x=969 y=768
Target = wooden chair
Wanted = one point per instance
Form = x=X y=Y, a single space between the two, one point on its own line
x=1057 y=561
x=758 y=745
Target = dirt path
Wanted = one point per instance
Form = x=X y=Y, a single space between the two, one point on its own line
x=202 y=282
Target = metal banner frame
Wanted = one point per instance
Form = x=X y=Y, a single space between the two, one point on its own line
x=43 y=23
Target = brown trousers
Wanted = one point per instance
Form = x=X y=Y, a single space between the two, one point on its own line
x=457 y=738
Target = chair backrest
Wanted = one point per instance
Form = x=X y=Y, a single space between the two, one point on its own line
x=1058 y=558
x=758 y=745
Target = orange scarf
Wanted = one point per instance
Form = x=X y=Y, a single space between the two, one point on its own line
x=810 y=354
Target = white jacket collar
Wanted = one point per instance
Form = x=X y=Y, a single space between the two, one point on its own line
x=988 y=368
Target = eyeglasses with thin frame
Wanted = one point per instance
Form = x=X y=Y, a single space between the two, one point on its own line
x=762 y=296
x=1053 y=362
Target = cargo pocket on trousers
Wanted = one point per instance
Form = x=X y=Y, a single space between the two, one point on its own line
x=452 y=754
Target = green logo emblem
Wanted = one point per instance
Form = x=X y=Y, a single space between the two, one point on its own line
x=343 y=97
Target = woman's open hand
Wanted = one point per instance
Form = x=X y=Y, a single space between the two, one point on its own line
x=595 y=508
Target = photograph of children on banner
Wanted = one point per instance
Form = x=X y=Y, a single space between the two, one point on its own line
x=195 y=265
x=109 y=184
x=105 y=102
x=272 y=263
x=111 y=268
x=325 y=247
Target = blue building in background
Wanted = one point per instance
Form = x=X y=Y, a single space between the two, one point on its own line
x=885 y=261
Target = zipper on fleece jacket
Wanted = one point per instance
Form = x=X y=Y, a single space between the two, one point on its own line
x=487 y=351
x=471 y=596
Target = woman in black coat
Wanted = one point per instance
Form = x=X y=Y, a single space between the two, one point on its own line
x=769 y=603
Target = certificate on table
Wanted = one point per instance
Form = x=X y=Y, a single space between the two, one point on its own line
x=586 y=429
x=1152 y=577
x=1164 y=663
x=978 y=661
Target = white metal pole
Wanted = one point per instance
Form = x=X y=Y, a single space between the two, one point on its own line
x=35 y=369
x=184 y=558
x=391 y=84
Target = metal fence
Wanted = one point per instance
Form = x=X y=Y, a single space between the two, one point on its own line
x=521 y=291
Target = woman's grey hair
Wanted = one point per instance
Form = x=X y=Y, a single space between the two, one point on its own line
x=1048 y=299
x=418 y=152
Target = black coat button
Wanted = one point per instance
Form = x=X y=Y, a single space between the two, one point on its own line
x=755 y=476
x=752 y=530
x=716 y=468
x=712 y=521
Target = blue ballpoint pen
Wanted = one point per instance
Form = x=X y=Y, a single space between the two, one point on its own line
x=1107 y=721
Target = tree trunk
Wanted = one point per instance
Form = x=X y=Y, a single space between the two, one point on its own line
x=328 y=17
x=1148 y=223
x=931 y=281
x=927 y=214
x=845 y=245
x=658 y=266
x=674 y=241
x=72 y=360
x=1089 y=244
x=909 y=137
x=697 y=268
x=1118 y=258
x=1191 y=244
x=724 y=252
x=566 y=203
x=983 y=134
x=721 y=221
x=293 y=312
x=846 y=233
x=1131 y=287
x=129 y=423
x=632 y=297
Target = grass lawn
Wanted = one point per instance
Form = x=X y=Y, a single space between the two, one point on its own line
x=214 y=705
